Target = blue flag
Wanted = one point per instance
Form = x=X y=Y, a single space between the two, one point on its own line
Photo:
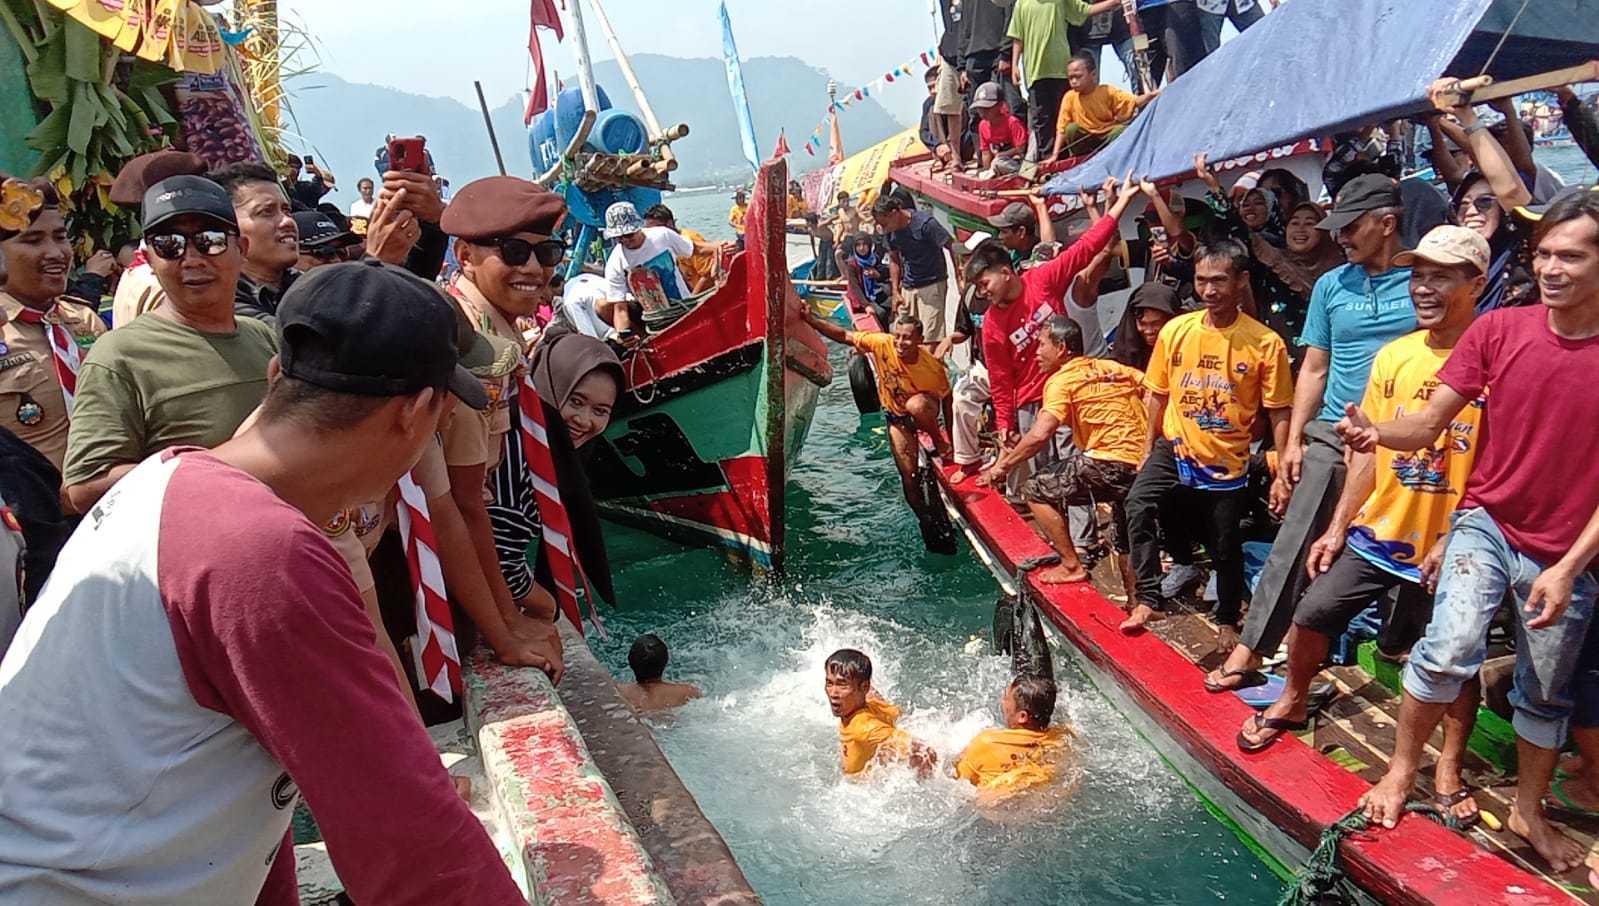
x=735 y=85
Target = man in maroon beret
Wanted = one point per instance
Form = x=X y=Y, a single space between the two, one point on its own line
x=137 y=291
x=504 y=229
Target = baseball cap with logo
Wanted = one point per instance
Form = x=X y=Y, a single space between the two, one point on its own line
x=622 y=219
x=319 y=229
x=1448 y=244
x=1368 y=192
x=370 y=329
x=176 y=196
x=987 y=95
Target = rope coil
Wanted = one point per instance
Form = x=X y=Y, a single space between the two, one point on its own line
x=1321 y=882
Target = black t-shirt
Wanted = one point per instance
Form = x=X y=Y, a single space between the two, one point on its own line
x=983 y=27
x=921 y=249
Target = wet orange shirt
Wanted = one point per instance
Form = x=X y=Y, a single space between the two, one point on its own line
x=867 y=731
x=1013 y=760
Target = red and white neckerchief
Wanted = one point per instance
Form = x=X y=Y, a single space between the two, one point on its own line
x=556 y=527
x=438 y=659
x=64 y=350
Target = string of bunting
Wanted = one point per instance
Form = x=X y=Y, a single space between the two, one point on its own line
x=818 y=137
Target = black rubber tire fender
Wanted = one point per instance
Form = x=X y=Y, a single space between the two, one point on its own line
x=863 y=384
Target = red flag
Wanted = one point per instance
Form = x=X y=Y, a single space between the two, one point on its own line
x=781 y=149
x=542 y=14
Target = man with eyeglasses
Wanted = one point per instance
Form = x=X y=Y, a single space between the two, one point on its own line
x=187 y=373
x=324 y=240
x=1355 y=310
x=504 y=229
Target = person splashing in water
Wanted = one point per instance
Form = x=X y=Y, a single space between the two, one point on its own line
x=649 y=691
x=1027 y=752
x=867 y=731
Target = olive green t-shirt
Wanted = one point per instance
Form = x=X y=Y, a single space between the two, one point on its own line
x=156 y=384
x=1041 y=27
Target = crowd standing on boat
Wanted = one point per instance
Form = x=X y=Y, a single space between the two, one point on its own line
x=1395 y=378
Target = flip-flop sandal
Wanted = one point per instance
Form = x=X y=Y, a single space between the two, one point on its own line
x=1032 y=563
x=1250 y=678
x=1281 y=724
x=1446 y=803
x=1565 y=803
x=1266 y=694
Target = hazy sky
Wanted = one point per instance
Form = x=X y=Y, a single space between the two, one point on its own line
x=439 y=48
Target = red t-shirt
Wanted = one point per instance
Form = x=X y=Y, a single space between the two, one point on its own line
x=1533 y=474
x=1010 y=332
x=1010 y=136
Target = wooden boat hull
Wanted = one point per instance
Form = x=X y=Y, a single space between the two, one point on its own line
x=1281 y=799
x=718 y=405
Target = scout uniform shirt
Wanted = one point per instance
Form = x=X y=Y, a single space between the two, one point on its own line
x=1217 y=381
x=898 y=380
x=868 y=730
x=1102 y=402
x=138 y=291
x=470 y=433
x=1414 y=493
x=31 y=402
x=1014 y=759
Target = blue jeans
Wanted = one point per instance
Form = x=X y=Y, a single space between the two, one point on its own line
x=1210 y=23
x=1479 y=567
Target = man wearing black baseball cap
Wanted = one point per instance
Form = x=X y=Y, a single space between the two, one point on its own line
x=325 y=238
x=187 y=373
x=216 y=658
x=137 y=290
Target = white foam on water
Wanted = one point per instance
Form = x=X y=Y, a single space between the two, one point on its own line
x=760 y=752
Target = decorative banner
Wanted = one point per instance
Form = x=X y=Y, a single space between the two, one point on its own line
x=818 y=140
x=735 y=86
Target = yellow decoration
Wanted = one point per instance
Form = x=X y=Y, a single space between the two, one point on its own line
x=103 y=17
x=862 y=174
x=133 y=13
x=196 y=43
x=157 y=37
x=19 y=202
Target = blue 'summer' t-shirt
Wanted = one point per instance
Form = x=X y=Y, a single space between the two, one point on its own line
x=1352 y=315
x=921 y=248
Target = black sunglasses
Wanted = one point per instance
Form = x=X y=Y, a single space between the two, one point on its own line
x=172 y=246
x=1483 y=203
x=515 y=252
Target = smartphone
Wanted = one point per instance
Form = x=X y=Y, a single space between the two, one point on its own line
x=1158 y=233
x=308 y=159
x=408 y=154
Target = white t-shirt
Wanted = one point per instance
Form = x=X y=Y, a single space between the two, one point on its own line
x=578 y=298
x=361 y=208
x=650 y=269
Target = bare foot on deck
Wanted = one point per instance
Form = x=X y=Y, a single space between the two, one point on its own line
x=1579 y=793
x=1560 y=851
x=463 y=787
x=1062 y=574
x=1384 y=803
x=1139 y=619
x=962 y=473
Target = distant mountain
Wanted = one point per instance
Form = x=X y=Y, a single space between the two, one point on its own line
x=346 y=121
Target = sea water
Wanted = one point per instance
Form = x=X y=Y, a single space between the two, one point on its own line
x=760 y=751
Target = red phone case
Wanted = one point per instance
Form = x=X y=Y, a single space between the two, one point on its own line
x=408 y=154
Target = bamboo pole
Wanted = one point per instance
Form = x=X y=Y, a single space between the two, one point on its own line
x=489 y=125
x=650 y=122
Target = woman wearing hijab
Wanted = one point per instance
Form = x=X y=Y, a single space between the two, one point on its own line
x=867 y=272
x=1283 y=282
x=578 y=380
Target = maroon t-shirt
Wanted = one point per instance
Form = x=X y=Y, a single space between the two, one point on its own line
x=1534 y=472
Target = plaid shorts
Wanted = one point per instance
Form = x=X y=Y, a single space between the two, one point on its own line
x=1080 y=480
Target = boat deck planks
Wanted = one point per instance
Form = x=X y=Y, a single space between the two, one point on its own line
x=1362 y=719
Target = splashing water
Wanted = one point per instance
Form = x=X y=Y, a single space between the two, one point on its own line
x=760 y=751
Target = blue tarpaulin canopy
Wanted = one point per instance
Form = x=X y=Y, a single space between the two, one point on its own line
x=1313 y=68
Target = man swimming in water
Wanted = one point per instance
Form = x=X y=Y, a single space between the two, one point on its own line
x=1027 y=751
x=649 y=692
x=867 y=731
